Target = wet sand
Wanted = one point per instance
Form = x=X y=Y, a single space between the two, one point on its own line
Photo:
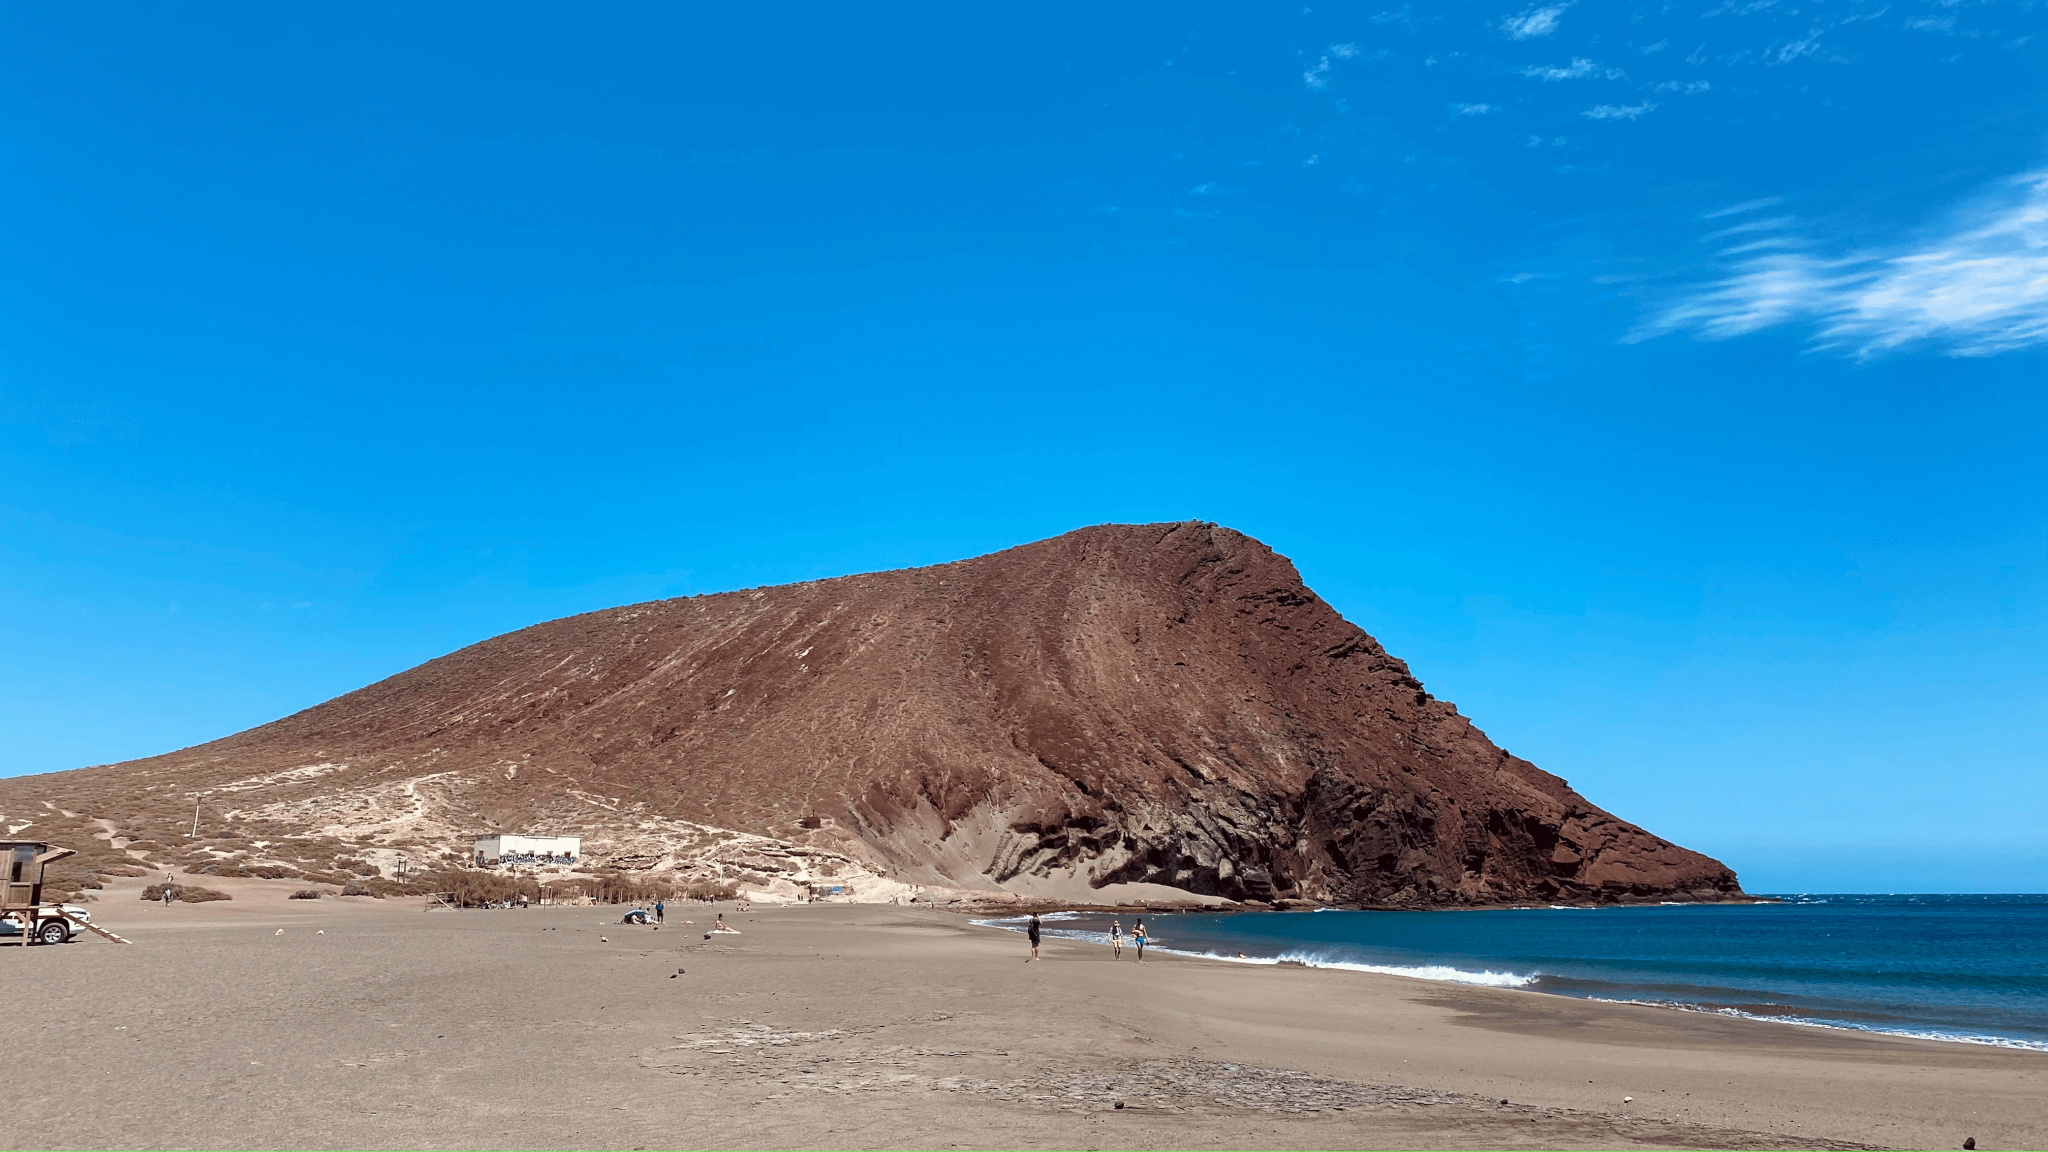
x=373 y=1024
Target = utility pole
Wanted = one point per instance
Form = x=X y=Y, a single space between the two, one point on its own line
x=195 y=818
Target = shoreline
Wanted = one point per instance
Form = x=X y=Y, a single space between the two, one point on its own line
x=1025 y=904
x=1516 y=982
x=269 y=1023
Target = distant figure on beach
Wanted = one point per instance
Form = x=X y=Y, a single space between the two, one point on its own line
x=660 y=910
x=1138 y=938
x=1031 y=930
x=1116 y=939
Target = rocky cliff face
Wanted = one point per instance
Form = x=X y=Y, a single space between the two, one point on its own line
x=1159 y=704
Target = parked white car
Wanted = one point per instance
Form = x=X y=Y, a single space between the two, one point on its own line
x=52 y=929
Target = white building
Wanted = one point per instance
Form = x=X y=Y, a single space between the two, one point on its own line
x=494 y=850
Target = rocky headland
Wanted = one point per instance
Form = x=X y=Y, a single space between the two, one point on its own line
x=1124 y=712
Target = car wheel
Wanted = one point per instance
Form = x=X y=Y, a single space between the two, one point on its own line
x=53 y=932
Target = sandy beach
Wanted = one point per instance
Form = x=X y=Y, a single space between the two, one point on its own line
x=374 y=1024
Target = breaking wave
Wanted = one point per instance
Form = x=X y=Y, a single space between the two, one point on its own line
x=1438 y=972
x=1806 y=1022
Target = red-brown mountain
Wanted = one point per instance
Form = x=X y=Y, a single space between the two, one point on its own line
x=1158 y=703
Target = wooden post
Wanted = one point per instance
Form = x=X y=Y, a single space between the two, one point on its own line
x=89 y=926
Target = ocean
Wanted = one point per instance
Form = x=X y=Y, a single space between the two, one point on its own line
x=1967 y=968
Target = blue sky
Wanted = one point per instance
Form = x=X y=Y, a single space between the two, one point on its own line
x=1667 y=384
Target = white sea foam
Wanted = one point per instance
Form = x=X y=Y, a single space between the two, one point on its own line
x=1306 y=960
x=1413 y=972
x=1803 y=1022
x=1443 y=972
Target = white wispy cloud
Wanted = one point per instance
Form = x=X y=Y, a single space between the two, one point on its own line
x=1974 y=287
x=1318 y=74
x=1745 y=206
x=1406 y=18
x=1795 y=48
x=1682 y=87
x=1801 y=47
x=1471 y=109
x=1534 y=22
x=1741 y=9
x=1619 y=111
x=1578 y=69
x=1773 y=224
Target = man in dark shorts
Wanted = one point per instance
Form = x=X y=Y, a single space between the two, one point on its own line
x=1031 y=930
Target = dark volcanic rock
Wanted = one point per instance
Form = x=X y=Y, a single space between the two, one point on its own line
x=1163 y=703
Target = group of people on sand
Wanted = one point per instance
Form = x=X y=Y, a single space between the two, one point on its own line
x=1116 y=938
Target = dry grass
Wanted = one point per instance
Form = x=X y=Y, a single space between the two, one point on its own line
x=184 y=893
x=130 y=825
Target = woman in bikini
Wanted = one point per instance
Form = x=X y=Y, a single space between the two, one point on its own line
x=1116 y=939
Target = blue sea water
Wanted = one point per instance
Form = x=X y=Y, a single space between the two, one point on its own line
x=1962 y=967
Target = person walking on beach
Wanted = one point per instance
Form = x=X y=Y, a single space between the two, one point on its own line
x=1138 y=938
x=1031 y=930
x=659 y=909
x=1116 y=939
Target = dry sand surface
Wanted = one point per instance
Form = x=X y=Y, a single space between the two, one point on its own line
x=373 y=1024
